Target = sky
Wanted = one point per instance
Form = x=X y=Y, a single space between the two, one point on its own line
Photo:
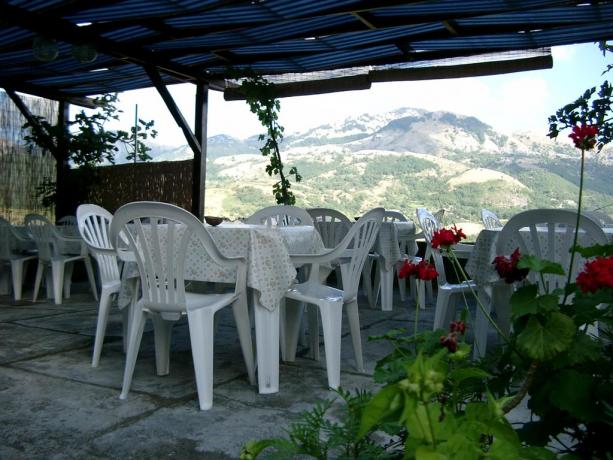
x=520 y=101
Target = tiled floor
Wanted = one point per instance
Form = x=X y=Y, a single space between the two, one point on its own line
x=54 y=405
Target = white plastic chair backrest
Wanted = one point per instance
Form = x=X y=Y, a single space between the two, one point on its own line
x=394 y=216
x=548 y=234
x=93 y=224
x=69 y=225
x=159 y=235
x=331 y=224
x=490 y=220
x=439 y=216
x=45 y=235
x=281 y=216
x=360 y=239
x=429 y=224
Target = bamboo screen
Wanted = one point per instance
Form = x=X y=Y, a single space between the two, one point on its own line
x=22 y=169
x=167 y=181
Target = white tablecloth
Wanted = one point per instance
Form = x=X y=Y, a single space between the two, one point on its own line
x=270 y=271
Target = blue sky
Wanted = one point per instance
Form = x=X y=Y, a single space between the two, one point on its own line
x=512 y=102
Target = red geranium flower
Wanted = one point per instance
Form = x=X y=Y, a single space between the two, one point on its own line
x=584 y=136
x=507 y=267
x=597 y=274
x=458 y=326
x=444 y=237
x=422 y=271
x=450 y=341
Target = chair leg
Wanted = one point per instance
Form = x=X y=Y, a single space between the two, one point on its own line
x=136 y=334
x=68 y=279
x=291 y=321
x=162 y=334
x=313 y=321
x=331 y=318
x=367 y=282
x=356 y=337
x=125 y=326
x=17 y=267
x=57 y=271
x=40 y=269
x=201 y=337
x=91 y=276
x=402 y=286
x=442 y=305
x=243 y=325
x=103 y=316
x=387 y=287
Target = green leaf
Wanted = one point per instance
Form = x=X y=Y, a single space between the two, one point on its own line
x=539 y=265
x=461 y=374
x=572 y=391
x=595 y=250
x=428 y=453
x=544 y=341
x=379 y=407
x=523 y=301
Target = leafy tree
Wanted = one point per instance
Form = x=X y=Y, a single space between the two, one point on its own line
x=84 y=142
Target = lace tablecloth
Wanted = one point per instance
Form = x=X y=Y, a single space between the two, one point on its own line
x=388 y=243
x=479 y=265
x=270 y=271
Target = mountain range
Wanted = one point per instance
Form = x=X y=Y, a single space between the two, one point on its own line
x=405 y=159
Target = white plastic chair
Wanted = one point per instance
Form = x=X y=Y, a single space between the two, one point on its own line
x=93 y=223
x=446 y=291
x=547 y=234
x=160 y=251
x=490 y=220
x=12 y=255
x=331 y=224
x=353 y=252
x=281 y=215
x=407 y=248
x=53 y=252
x=68 y=225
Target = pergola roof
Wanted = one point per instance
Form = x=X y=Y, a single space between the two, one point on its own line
x=199 y=40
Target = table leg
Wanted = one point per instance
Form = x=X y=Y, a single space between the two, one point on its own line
x=267 y=346
x=387 y=287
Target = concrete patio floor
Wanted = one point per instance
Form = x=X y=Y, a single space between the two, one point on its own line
x=56 y=406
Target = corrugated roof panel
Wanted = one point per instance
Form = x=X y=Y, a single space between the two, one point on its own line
x=430 y=8
x=309 y=27
x=36 y=5
x=346 y=57
x=195 y=59
x=128 y=33
x=217 y=40
x=229 y=15
x=374 y=36
x=572 y=15
x=124 y=10
x=13 y=35
x=297 y=8
x=292 y=46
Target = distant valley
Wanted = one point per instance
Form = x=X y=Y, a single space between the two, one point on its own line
x=406 y=159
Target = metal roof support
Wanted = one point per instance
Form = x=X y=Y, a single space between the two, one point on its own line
x=193 y=142
x=199 y=165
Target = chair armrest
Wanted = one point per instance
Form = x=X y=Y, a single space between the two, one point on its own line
x=302 y=259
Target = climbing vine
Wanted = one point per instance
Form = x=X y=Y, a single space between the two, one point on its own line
x=259 y=94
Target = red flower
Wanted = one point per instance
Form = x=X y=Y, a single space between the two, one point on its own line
x=597 y=274
x=450 y=341
x=458 y=326
x=584 y=136
x=507 y=267
x=422 y=271
x=444 y=237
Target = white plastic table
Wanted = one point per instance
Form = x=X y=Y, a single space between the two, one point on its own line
x=270 y=273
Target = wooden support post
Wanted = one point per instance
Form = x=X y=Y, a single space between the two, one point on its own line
x=199 y=166
x=193 y=142
x=64 y=202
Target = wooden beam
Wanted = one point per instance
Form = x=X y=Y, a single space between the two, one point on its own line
x=192 y=140
x=367 y=21
x=463 y=70
x=310 y=87
x=35 y=90
x=199 y=165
